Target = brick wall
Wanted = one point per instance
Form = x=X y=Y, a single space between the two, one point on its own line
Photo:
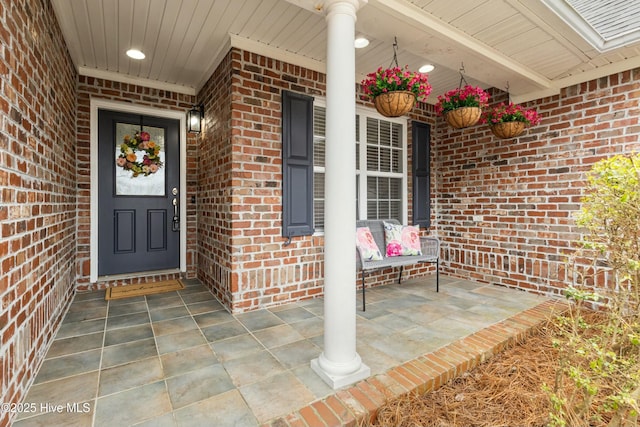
x=94 y=88
x=37 y=190
x=215 y=184
x=241 y=253
x=242 y=257
x=504 y=208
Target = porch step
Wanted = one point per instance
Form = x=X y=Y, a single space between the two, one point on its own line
x=353 y=405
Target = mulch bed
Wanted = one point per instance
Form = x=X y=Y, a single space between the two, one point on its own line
x=504 y=391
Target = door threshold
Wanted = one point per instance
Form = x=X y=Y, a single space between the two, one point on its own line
x=126 y=276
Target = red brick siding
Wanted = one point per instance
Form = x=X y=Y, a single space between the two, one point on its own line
x=214 y=184
x=242 y=257
x=94 y=88
x=37 y=190
x=241 y=186
x=504 y=208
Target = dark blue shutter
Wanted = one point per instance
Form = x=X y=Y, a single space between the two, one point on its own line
x=421 y=139
x=297 y=164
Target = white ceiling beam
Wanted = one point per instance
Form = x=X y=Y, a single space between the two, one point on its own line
x=426 y=22
x=543 y=17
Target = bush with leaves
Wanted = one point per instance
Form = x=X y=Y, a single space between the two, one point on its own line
x=598 y=379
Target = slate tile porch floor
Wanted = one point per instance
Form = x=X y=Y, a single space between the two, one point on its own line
x=180 y=359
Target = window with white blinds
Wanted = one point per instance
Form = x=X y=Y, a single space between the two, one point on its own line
x=381 y=179
x=319 y=120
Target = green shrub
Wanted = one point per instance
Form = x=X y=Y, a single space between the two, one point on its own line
x=598 y=378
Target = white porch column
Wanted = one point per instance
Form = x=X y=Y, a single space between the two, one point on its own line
x=339 y=364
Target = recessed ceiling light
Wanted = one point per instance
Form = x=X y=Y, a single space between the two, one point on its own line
x=135 y=54
x=360 y=42
x=426 y=68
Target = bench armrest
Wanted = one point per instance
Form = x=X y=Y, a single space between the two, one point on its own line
x=430 y=246
x=359 y=260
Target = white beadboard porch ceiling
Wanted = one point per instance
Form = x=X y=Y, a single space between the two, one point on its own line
x=520 y=44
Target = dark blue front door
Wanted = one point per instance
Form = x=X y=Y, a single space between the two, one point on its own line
x=138 y=184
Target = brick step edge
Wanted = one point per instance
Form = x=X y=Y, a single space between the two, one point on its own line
x=358 y=403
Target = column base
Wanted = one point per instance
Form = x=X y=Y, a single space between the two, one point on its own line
x=339 y=381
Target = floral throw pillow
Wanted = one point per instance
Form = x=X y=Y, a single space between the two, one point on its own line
x=402 y=240
x=367 y=245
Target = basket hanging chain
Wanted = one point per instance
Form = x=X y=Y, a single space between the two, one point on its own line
x=508 y=94
x=462 y=79
x=395 y=53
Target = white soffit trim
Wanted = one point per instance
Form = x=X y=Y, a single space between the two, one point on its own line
x=277 y=53
x=281 y=55
x=116 y=77
x=259 y=48
x=596 y=73
x=604 y=25
x=216 y=59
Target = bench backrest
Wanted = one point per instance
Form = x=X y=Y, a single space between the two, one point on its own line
x=377 y=230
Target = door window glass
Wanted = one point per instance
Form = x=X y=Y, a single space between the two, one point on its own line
x=139 y=160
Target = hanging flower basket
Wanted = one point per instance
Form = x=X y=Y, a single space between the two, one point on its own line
x=463 y=117
x=507 y=130
x=509 y=121
x=394 y=90
x=395 y=104
x=462 y=107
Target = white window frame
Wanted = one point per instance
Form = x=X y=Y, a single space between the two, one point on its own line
x=362 y=113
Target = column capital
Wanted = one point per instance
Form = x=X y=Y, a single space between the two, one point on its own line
x=322 y=6
x=349 y=7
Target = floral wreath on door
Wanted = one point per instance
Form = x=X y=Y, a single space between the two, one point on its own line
x=129 y=154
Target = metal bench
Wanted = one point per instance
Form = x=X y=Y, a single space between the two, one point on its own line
x=430 y=247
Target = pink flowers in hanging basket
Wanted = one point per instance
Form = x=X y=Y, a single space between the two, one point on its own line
x=465 y=106
x=509 y=121
x=503 y=113
x=385 y=80
x=467 y=96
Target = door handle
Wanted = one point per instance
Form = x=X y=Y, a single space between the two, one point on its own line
x=175 y=224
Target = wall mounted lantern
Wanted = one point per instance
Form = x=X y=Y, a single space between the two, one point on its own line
x=194 y=119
